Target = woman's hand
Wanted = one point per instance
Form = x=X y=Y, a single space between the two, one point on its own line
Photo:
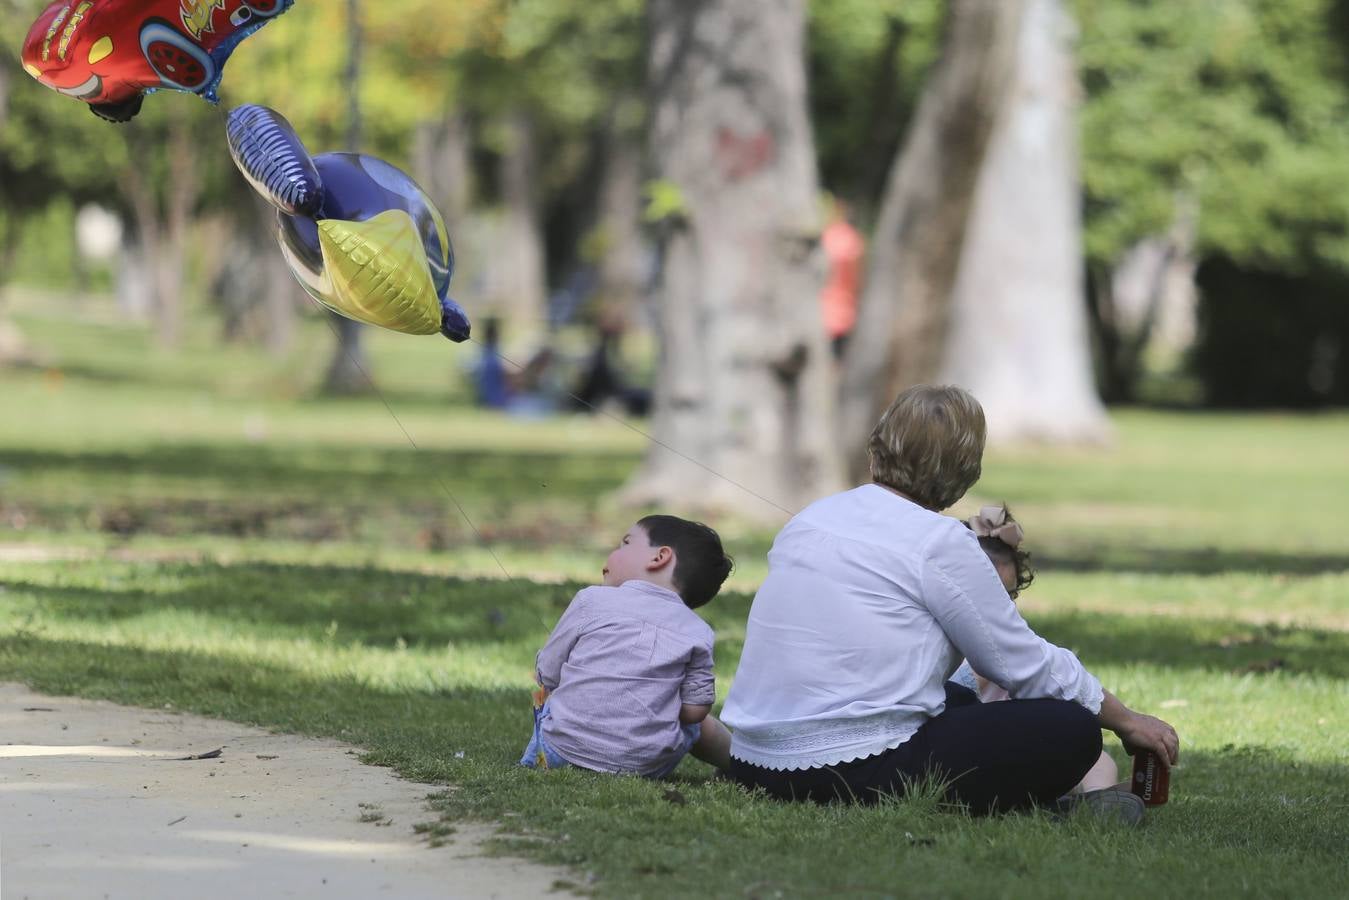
x=1143 y=732
x=1140 y=732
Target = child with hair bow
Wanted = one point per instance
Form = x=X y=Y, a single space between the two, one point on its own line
x=1000 y=537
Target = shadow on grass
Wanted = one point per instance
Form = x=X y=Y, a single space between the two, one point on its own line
x=1189 y=561
x=317 y=493
x=1281 y=816
x=369 y=606
x=402 y=397
x=378 y=608
x=1214 y=645
x=358 y=471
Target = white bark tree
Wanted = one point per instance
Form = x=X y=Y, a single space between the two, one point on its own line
x=1145 y=309
x=1018 y=338
x=349 y=369
x=163 y=216
x=977 y=274
x=622 y=249
x=903 y=316
x=441 y=164
x=744 y=391
x=13 y=346
x=523 y=276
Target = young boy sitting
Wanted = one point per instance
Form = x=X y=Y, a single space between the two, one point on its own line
x=626 y=675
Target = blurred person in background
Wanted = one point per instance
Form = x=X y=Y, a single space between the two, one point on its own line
x=491 y=387
x=844 y=248
x=602 y=379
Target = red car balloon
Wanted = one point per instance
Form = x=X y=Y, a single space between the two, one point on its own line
x=110 y=53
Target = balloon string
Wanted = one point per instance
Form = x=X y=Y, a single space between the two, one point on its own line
x=595 y=409
x=351 y=357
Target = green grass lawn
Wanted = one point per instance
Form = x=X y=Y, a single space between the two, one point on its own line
x=197 y=529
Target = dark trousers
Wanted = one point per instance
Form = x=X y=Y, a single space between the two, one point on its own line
x=993 y=757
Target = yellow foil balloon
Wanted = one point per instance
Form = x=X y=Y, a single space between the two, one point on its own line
x=378 y=272
x=356 y=232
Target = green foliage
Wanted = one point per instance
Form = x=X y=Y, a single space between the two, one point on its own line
x=576 y=57
x=867 y=63
x=664 y=202
x=1240 y=104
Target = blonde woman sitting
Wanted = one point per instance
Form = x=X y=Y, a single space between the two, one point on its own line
x=872 y=600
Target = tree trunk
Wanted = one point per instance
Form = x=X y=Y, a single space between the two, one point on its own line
x=281 y=299
x=349 y=370
x=442 y=166
x=902 y=317
x=1018 y=338
x=181 y=198
x=1175 y=316
x=744 y=389
x=135 y=284
x=884 y=131
x=1146 y=302
x=523 y=280
x=13 y=345
x=277 y=299
x=4 y=92
x=141 y=287
x=622 y=249
x=162 y=226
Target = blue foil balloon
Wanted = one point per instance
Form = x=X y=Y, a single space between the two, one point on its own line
x=358 y=234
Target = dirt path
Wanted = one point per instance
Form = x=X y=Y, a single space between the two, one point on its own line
x=95 y=802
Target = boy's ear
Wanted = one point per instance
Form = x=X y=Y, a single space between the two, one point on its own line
x=660 y=559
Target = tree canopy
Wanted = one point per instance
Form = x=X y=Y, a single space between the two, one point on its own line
x=1238 y=107
x=1241 y=105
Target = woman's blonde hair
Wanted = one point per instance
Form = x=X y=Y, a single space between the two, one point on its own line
x=929 y=445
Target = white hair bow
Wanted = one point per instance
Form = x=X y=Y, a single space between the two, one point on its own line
x=992 y=521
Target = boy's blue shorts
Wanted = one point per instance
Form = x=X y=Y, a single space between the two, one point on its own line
x=539 y=755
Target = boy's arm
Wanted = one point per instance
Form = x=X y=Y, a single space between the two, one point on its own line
x=698 y=690
x=548 y=664
x=690 y=714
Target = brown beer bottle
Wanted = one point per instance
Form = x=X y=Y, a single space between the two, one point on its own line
x=1152 y=780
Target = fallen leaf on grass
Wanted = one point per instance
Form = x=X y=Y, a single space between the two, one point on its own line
x=673 y=796
x=210 y=755
x=1267 y=665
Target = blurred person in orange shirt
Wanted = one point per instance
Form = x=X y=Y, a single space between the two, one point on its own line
x=844 y=248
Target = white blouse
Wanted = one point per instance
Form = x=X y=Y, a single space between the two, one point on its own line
x=870 y=603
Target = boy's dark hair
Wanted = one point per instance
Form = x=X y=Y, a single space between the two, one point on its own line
x=701 y=565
